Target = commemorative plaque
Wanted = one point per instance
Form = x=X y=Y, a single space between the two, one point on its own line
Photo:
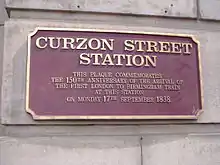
x=98 y=74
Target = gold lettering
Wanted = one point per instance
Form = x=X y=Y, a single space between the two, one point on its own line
x=164 y=47
x=81 y=42
x=152 y=46
x=172 y=87
x=70 y=99
x=96 y=58
x=84 y=59
x=105 y=44
x=54 y=40
x=152 y=60
x=128 y=63
x=118 y=58
x=136 y=99
x=187 y=47
x=140 y=44
x=141 y=60
x=163 y=99
x=38 y=42
x=129 y=45
x=107 y=60
x=68 y=41
x=78 y=86
x=91 y=99
x=94 y=44
x=176 y=47
x=79 y=74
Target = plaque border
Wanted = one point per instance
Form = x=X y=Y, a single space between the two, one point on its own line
x=114 y=117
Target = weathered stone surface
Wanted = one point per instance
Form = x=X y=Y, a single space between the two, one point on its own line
x=181 y=150
x=109 y=130
x=3 y=14
x=2 y=132
x=178 y=8
x=210 y=9
x=68 y=150
x=16 y=32
x=1 y=58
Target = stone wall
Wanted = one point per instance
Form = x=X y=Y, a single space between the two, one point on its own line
x=24 y=141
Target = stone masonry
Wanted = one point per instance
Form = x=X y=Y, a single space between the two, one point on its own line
x=24 y=141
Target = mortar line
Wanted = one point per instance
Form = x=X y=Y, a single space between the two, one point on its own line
x=198 y=10
x=141 y=149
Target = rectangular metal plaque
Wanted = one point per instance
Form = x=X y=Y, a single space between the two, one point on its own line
x=99 y=74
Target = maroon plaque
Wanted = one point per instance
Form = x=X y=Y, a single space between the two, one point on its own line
x=98 y=74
